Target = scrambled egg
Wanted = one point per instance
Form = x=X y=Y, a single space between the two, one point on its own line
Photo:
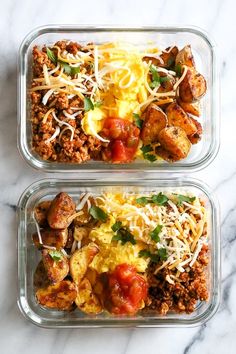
x=112 y=253
x=123 y=86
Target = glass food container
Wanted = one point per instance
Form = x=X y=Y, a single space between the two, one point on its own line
x=28 y=255
x=201 y=154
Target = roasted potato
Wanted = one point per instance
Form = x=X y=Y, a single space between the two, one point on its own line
x=92 y=276
x=59 y=296
x=196 y=137
x=61 y=208
x=51 y=237
x=70 y=238
x=56 y=265
x=80 y=261
x=185 y=57
x=175 y=144
x=86 y=300
x=41 y=279
x=86 y=218
x=155 y=120
x=81 y=232
x=193 y=86
x=167 y=84
x=191 y=108
x=177 y=117
x=167 y=60
x=40 y=213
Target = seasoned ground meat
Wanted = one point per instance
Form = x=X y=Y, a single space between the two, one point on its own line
x=183 y=295
x=63 y=149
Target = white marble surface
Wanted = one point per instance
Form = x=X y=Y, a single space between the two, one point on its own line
x=16 y=19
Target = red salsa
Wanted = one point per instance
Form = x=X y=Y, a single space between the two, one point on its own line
x=127 y=290
x=124 y=137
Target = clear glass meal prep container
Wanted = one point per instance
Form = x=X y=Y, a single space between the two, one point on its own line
x=29 y=256
x=201 y=154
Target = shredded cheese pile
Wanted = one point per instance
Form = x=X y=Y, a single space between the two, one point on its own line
x=118 y=77
x=184 y=227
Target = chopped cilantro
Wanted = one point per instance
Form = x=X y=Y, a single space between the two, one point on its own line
x=122 y=234
x=150 y=157
x=88 y=104
x=154 y=234
x=142 y=200
x=97 y=213
x=144 y=253
x=162 y=253
x=56 y=255
x=137 y=120
x=184 y=198
x=178 y=70
x=51 y=56
x=117 y=226
x=146 y=148
x=160 y=199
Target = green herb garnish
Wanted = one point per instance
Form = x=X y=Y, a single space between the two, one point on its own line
x=56 y=255
x=97 y=104
x=183 y=198
x=162 y=253
x=88 y=104
x=69 y=70
x=170 y=62
x=98 y=214
x=178 y=70
x=142 y=200
x=150 y=157
x=160 y=199
x=154 y=234
x=154 y=257
x=74 y=70
x=144 y=253
x=145 y=150
x=156 y=78
x=137 y=120
x=117 y=226
x=51 y=56
x=122 y=234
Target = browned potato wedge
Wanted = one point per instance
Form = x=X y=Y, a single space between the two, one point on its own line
x=40 y=276
x=59 y=296
x=70 y=239
x=40 y=212
x=51 y=237
x=92 y=276
x=81 y=232
x=56 y=265
x=80 y=260
x=178 y=118
x=86 y=300
x=155 y=120
x=193 y=86
x=166 y=85
x=175 y=141
x=191 y=108
x=61 y=208
x=86 y=217
x=185 y=57
x=196 y=137
x=167 y=58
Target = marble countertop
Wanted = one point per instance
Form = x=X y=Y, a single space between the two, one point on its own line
x=17 y=335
